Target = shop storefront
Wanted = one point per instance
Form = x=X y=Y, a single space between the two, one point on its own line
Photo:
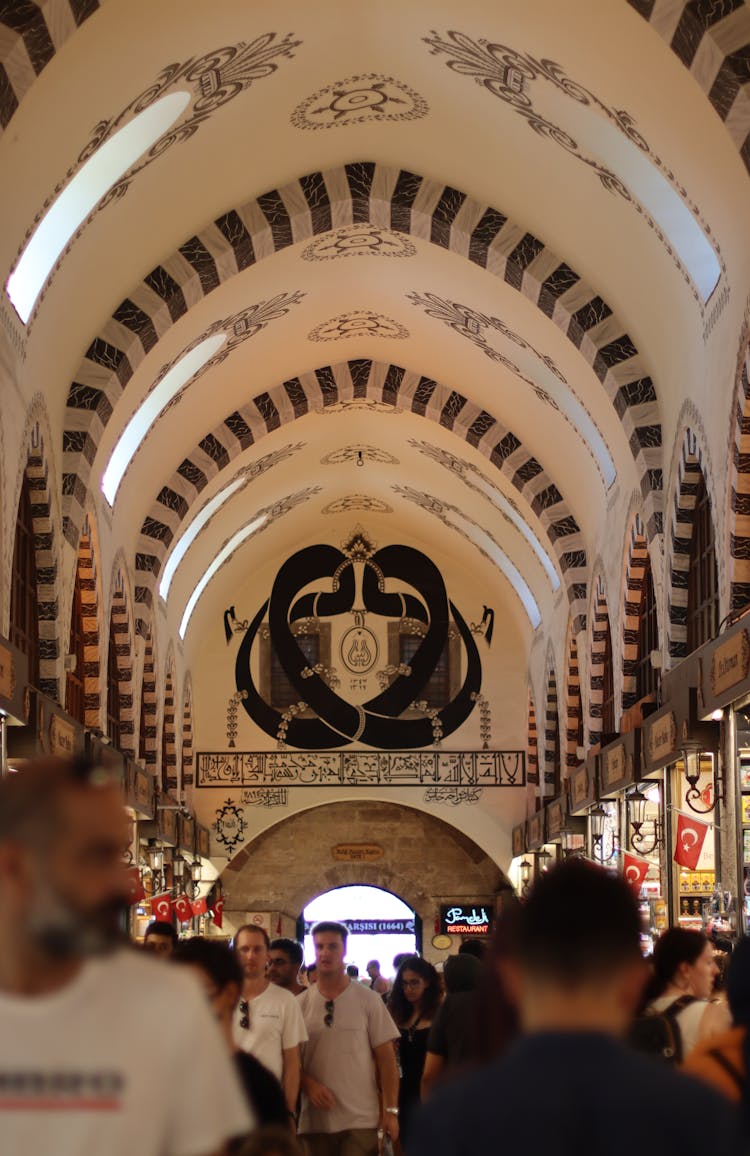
x=565 y=832
x=583 y=799
x=13 y=679
x=724 y=698
x=680 y=757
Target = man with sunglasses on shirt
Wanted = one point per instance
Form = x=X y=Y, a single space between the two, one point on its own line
x=348 y=1055
x=267 y=1021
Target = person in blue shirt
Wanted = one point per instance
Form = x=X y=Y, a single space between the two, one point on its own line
x=569 y=1084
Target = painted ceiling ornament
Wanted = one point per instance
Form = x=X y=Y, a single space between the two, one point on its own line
x=357 y=405
x=352 y=582
x=230 y=825
x=357 y=453
x=519 y=79
x=358 y=323
x=360 y=240
x=359 y=100
x=357 y=502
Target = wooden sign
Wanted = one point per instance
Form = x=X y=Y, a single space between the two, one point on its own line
x=518 y=840
x=536 y=830
x=661 y=740
x=555 y=818
x=7 y=673
x=730 y=663
x=582 y=787
x=357 y=852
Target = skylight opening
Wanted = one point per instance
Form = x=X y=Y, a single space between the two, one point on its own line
x=184 y=543
x=95 y=178
x=145 y=416
x=225 y=553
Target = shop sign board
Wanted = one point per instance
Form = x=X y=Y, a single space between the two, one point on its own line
x=372 y=926
x=49 y=731
x=186 y=834
x=357 y=852
x=536 y=831
x=724 y=669
x=617 y=763
x=583 y=787
x=202 y=841
x=518 y=840
x=555 y=818
x=466 y=919
x=139 y=793
x=660 y=742
x=166 y=822
x=13 y=677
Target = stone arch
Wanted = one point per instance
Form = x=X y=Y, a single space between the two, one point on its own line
x=551 y=730
x=532 y=745
x=148 y=727
x=600 y=624
x=188 y=762
x=86 y=577
x=739 y=538
x=573 y=705
x=326 y=386
x=635 y=573
x=42 y=37
x=692 y=38
x=692 y=469
x=387 y=197
x=36 y=467
x=122 y=631
x=290 y=863
x=168 y=732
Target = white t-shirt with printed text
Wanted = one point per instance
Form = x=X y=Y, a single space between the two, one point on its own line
x=126 y=1058
x=276 y=1025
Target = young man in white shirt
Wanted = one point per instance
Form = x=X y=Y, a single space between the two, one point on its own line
x=98 y=1043
x=267 y=1022
x=349 y=1054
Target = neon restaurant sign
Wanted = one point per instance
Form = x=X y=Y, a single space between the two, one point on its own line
x=474 y=920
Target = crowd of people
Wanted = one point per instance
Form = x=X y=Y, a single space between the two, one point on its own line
x=200 y=1047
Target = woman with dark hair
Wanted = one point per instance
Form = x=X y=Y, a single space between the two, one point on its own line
x=684 y=970
x=412 y=1002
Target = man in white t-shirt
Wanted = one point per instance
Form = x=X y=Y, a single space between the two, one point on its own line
x=98 y=1043
x=267 y=1021
x=349 y=1054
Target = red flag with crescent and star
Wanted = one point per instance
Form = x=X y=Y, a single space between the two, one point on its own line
x=634 y=870
x=217 y=912
x=689 y=839
x=135 y=885
x=161 y=907
x=199 y=906
x=183 y=908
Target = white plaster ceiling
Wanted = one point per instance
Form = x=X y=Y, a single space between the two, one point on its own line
x=600 y=68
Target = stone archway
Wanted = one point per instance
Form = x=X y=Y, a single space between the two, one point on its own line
x=426 y=861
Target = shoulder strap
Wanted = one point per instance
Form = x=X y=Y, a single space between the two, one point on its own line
x=728 y=1066
x=670 y=1014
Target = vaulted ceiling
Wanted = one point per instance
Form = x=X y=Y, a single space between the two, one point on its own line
x=446 y=268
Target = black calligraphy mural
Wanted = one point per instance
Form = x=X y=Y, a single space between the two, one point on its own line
x=356 y=577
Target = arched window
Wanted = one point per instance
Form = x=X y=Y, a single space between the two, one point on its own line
x=646 y=678
x=703 y=578
x=113 y=689
x=24 y=617
x=75 y=700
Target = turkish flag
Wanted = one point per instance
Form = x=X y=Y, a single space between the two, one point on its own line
x=689 y=840
x=135 y=885
x=199 y=906
x=634 y=870
x=183 y=909
x=161 y=907
x=217 y=913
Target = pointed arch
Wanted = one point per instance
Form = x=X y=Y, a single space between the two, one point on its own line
x=188 y=765
x=691 y=480
x=552 y=746
x=739 y=535
x=168 y=735
x=637 y=573
x=121 y=637
x=601 y=692
x=85 y=607
x=532 y=745
x=574 y=734
x=147 y=724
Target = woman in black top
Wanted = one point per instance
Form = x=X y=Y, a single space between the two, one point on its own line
x=413 y=1001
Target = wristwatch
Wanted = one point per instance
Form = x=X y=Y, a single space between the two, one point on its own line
x=392 y=1111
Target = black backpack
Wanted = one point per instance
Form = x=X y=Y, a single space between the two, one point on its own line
x=658 y=1033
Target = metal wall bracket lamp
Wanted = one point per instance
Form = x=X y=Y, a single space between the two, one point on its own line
x=636 y=810
x=597 y=815
x=694 y=797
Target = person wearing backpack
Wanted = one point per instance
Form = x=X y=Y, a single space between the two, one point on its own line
x=684 y=973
